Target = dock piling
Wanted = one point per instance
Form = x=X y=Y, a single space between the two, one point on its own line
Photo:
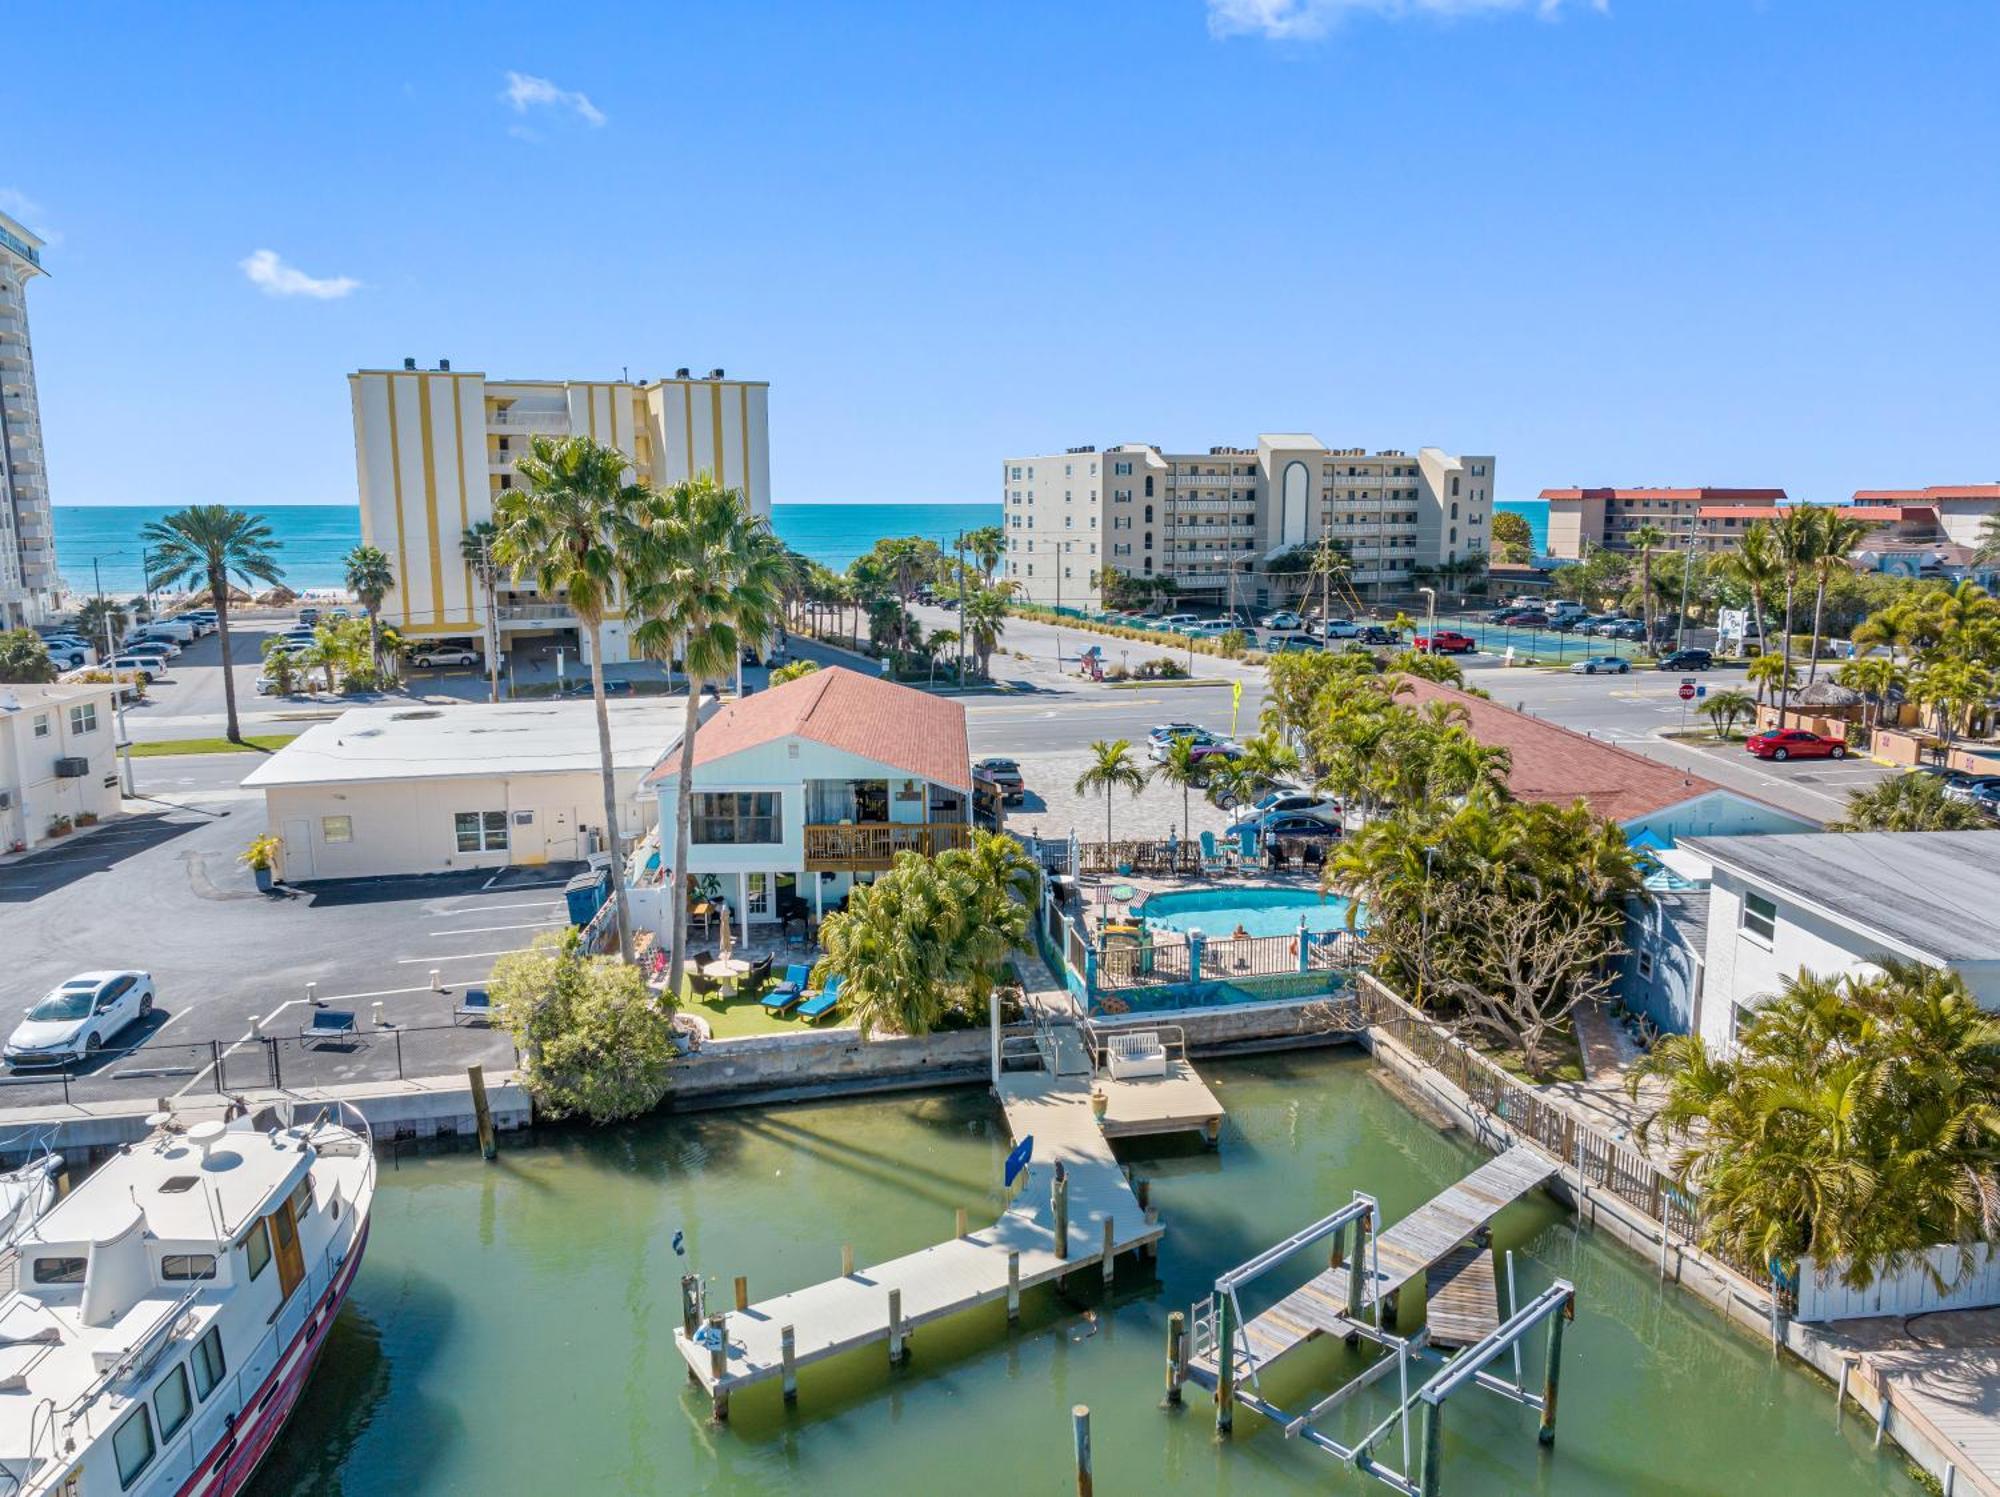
x=1552 y=1376
x=742 y=1293
x=847 y=1260
x=1176 y=1368
x=1108 y=1257
x=1433 y=1472
x=1013 y=1285
x=789 y=1356
x=1059 y=1205
x=960 y=1223
x=718 y=1365
x=1225 y=1362
x=482 y=1111
x=896 y=1349
x=1079 y=1418
x=691 y=1313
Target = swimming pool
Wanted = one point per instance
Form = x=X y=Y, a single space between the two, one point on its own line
x=1260 y=910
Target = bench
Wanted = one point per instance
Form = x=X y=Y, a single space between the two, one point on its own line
x=329 y=1024
x=476 y=1007
x=1134 y=1053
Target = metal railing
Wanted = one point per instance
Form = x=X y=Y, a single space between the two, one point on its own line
x=547 y=421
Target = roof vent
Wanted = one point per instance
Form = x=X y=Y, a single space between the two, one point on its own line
x=715 y=374
x=414 y=717
x=410 y=364
x=444 y=366
x=681 y=373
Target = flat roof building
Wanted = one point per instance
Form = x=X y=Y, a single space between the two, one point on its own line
x=1582 y=520
x=27 y=530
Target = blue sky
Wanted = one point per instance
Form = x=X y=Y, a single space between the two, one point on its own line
x=1674 y=241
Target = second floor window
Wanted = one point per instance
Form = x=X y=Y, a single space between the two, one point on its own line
x=737 y=816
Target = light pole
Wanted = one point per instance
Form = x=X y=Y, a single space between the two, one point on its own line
x=124 y=744
x=1687 y=571
x=1432 y=611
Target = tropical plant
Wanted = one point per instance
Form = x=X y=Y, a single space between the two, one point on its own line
x=595 y=1041
x=475 y=546
x=1834 y=536
x=102 y=621
x=24 y=659
x=1439 y=668
x=985 y=616
x=987 y=544
x=1986 y=544
x=210 y=543
x=1647 y=539
x=576 y=526
x=369 y=578
x=1111 y=768
x=1772 y=673
x=708 y=580
x=263 y=852
x=1877 y=678
x=1908 y=803
x=1754 y=567
x=1729 y=706
x=792 y=671
x=1796 y=536
x=1856 y=1123
x=1184 y=767
x=1954 y=690
x=1512 y=537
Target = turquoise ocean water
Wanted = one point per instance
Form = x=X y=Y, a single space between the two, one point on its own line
x=314 y=537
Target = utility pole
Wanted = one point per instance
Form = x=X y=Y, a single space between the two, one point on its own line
x=961 y=608
x=1687 y=571
x=117 y=692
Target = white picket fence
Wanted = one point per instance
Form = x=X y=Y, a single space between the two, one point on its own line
x=1910 y=1292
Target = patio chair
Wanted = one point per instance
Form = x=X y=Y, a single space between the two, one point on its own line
x=822 y=1003
x=329 y=1024
x=701 y=986
x=475 y=1007
x=759 y=973
x=1213 y=859
x=787 y=993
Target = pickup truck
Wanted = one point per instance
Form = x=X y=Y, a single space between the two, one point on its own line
x=1446 y=642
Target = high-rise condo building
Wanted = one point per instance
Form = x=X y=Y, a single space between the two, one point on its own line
x=1215 y=522
x=433 y=448
x=27 y=536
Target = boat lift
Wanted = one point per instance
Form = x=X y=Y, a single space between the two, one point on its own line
x=1255 y=1344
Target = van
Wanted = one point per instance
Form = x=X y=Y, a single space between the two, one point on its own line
x=180 y=631
x=1566 y=610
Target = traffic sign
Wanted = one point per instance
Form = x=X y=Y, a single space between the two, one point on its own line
x=1687 y=691
x=1700 y=692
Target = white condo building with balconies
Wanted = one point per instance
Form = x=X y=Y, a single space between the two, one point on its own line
x=1214 y=521
x=433 y=448
x=27 y=534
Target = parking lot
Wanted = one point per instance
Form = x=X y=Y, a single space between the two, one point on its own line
x=163 y=891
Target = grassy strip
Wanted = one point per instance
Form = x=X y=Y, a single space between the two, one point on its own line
x=160 y=748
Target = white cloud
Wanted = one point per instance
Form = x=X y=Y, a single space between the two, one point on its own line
x=525 y=91
x=274 y=277
x=1294 y=20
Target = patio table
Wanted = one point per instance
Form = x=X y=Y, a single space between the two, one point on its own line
x=727 y=972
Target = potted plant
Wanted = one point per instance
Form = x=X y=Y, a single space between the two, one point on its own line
x=60 y=825
x=86 y=818
x=261 y=858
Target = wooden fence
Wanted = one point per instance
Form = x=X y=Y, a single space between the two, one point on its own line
x=1913 y=1291
x=1162 y=858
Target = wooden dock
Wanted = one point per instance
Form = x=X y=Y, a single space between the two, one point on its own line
x=1461 y=1300
x=887 y=1301
x=1405 y=1251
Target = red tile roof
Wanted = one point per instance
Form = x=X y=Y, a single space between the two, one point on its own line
x=907 y=730
x=1555 y=765
x=1935 y=492
x=1719 y=496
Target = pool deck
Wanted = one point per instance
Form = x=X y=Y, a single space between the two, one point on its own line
x=1097 y=905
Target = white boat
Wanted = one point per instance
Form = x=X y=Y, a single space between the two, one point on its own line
x=160 y=1320
x=26 y=1193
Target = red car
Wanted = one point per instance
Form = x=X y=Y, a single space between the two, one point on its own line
x=1446 y=642
x=1795 y=743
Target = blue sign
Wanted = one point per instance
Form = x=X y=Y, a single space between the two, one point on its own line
x=1018 y=1160
x=1700 y=692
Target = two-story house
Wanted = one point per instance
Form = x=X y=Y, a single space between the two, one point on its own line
x=802 y=791
x=58 y=760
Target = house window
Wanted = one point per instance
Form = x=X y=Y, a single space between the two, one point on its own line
x=759 y=902
x=207 y=1361
x=336 y=828
x=1760 y=918
x=83 y=718
x=481 y=831
x=132 y=1442
x=737 y=816
x=1646 y=965
x=172 y=1401
x=41 y=725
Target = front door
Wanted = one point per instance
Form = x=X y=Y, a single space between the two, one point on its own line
x=560 y=836
x=291 y=1261
x=298 y=849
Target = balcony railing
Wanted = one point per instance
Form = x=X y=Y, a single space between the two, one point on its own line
x=535 y=611
x=874 y=844
x=550 y=421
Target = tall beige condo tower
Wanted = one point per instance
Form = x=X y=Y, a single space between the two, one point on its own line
x=27 y=536
x=433 y=448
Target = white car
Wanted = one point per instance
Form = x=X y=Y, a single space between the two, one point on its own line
x=1173 y=623
x=1340 y=629
x=68 y=653
x=75 y=1019
x=1284 y=618
x=447 y=652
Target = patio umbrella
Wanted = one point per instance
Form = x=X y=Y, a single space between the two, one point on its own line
x=728 y=936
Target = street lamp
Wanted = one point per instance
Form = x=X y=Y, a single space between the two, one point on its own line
x=124 y=744
x=1432 y=612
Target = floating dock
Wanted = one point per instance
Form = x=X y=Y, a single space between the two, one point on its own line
x=1103 y=1217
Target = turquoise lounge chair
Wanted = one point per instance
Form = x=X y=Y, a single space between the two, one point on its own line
x=1212 y=858
x=823 y=1003
x=781 y=997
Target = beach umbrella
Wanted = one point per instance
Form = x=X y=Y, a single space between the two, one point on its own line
x=728 y=935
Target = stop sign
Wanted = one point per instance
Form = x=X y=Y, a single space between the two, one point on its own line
x=1687 y=691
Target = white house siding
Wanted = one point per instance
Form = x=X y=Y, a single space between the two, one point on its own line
x=408 y=826
x=28 y=764
x=1717 y=814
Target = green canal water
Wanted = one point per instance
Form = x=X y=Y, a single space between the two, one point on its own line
x=511 y=1329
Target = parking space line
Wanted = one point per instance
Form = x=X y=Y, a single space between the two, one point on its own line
x=483 y=930
x=457 y=956
x=481 y=909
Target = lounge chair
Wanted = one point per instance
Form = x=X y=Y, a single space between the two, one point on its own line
x=329 y=1024
x=790 y=991
x=822 y=1003
x=476 y=1007
x=1213 y=860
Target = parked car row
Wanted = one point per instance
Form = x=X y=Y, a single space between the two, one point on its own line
x=1981 y=791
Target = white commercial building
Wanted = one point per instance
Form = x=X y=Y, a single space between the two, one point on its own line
x=58 y=761
x=385 y=791
x=433 y=448
x=27 y=534
x=1213 y=521
x=1830 y=903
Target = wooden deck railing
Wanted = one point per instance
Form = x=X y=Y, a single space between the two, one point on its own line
x=873 y=845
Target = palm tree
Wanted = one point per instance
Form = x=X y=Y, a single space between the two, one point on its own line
x=1753 y=565
x=475 y=544
x=1876 y=677
x=210 y=543
x=1986 y=545
x=369 y=578
x=575 y=526
x=985 y=616
x=1111 y=768
x=1646 y=540
x=987 y=544
x=1795 y=539
x=1727 y=706
x=1908 y=803
x=710 y=580
x=102 y=621
x=1953 y=690
x=1837 y=535
x=1184 y=767
x=1772 y=672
